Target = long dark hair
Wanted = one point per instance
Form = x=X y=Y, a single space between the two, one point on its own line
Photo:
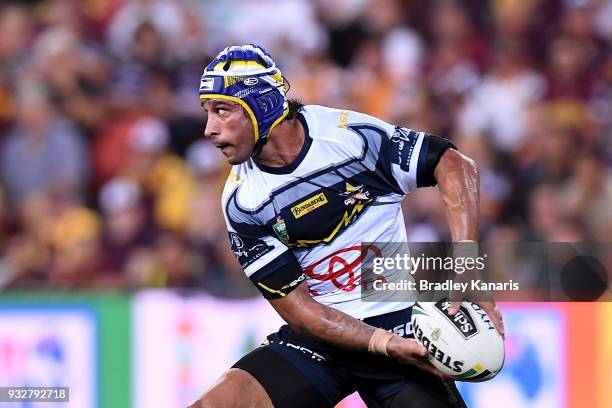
x=295 y=105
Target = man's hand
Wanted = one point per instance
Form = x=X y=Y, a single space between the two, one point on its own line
x=409 y=351
x=491 y=309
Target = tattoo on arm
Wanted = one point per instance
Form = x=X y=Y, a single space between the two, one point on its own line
x=310 y=318
x=333 y=326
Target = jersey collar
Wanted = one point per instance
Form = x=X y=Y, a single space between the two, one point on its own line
x=300 y=157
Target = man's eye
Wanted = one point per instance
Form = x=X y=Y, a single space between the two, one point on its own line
x=222 y=111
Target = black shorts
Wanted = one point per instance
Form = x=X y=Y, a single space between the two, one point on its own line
x=298 y=371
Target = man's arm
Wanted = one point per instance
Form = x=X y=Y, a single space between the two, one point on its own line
x=459 y=183
x=308 y=317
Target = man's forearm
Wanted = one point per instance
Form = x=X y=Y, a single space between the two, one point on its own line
x=338 y=328
x=333 y=326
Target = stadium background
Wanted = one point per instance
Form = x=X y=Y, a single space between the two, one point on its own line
x=115 y=271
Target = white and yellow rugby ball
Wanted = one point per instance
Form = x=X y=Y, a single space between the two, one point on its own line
x=466 y=346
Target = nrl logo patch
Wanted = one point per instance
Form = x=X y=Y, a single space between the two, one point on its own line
x=280 y=228
x=309 y=205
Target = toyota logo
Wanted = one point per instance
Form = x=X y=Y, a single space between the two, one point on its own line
x=334 y=267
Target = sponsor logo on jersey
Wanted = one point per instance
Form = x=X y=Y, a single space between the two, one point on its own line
x=403 y=330
x=280 y=229
x=236 y=241
x=354 y=194
x=313 y=355
x=309 y=205
x=403 y=143
x=234 y=179
x=342 y=268
x=461 y=320
x=350 y=215
x=248 y=250
x=283 y=290
x=251 y=81
x=344 y=119
x=294 y=282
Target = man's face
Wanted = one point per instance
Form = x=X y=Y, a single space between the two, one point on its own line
x=230 y=129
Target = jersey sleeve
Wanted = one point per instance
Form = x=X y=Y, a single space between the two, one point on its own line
x=260 y=254
x=267 y=262
x=411 y=157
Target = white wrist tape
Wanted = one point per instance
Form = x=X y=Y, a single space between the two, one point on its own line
x=378 y=341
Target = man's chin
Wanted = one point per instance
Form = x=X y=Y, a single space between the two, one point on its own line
x=233 y=160
x=230 y=155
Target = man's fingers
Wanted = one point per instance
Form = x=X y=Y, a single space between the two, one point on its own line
x=417 y=348
x=454 y=308
x=489 y=307
x=406 y=350
x=498 y=322
x=413 y=352
x=495 y=315
x=427 y=366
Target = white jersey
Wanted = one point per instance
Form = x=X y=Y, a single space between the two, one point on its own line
x=344 y=188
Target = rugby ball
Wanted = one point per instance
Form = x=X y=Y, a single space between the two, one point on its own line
x=466 y=346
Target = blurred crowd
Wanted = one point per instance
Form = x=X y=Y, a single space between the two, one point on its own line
x=106 y=180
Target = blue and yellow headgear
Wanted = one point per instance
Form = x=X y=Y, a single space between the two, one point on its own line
x=246 y=74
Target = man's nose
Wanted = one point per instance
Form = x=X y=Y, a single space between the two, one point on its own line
x=211 y=129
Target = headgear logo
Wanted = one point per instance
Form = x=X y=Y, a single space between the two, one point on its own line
x=206 y=84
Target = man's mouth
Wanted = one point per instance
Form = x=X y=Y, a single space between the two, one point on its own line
x=221 y=145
